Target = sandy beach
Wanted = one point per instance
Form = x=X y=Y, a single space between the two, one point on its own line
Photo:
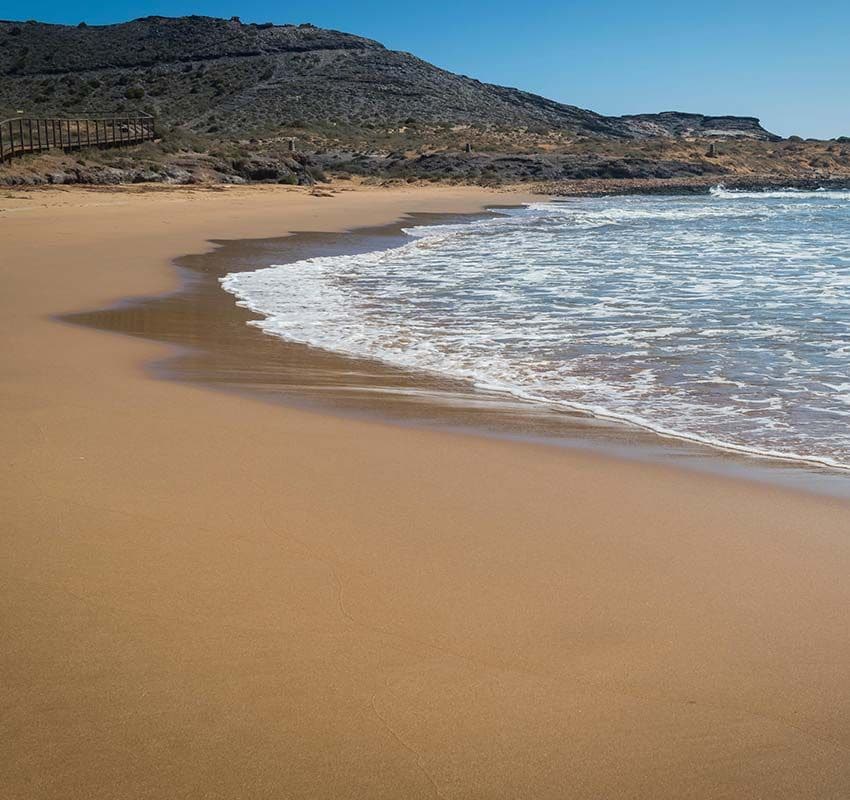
x=206 y=595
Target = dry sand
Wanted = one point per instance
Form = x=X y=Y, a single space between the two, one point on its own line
x=202 y=595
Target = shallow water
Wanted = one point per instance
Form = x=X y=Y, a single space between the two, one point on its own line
x=723 y=319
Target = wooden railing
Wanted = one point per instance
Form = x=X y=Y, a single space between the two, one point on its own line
x=22 y=135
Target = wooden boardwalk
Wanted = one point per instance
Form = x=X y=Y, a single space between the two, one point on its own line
x=23 y=135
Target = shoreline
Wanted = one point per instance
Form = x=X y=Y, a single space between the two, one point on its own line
x=562 y=187
x=209 y=594
x=222 y=354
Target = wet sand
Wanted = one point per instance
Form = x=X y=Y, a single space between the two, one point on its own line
x=218 y=347
x=209 y=595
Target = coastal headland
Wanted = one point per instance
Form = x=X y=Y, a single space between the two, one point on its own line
x=206 y=595
x=238 y=102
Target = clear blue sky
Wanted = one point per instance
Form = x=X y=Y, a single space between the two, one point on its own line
x=787 y=63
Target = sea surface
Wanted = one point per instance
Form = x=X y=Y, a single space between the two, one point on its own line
x=722 y=319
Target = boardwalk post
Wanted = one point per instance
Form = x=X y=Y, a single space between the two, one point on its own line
x=2 y=149
x=21 y=133
x=79 y=138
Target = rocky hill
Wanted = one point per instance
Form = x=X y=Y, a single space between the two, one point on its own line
x=229 y=97
x=233 y=79
x=679 y=124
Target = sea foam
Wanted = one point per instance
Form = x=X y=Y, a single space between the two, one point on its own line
x=714 y=321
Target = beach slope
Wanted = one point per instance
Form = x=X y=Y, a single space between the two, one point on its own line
x=204 y=595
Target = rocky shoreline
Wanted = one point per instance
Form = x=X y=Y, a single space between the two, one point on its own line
x=546 y=175
x=699 y=185
x=117 y=168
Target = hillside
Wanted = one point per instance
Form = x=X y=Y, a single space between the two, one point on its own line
x=228 y=96
x=217 y=75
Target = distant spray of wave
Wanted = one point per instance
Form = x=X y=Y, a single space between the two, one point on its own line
x=722 y=319
x=721 y=191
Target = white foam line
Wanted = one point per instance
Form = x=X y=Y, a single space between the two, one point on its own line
x=717 y=444
x=720 y=191
x=431 y=235
x=593 y=411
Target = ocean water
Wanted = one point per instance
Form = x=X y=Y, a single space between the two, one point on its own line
x=722 y=319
